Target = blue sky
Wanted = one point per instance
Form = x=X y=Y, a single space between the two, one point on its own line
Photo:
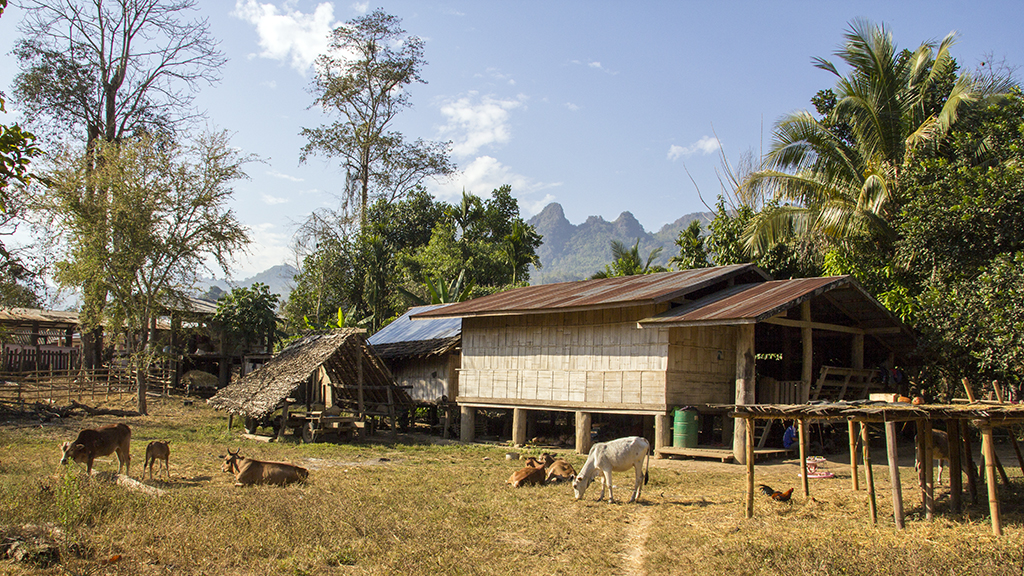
x=601 y=106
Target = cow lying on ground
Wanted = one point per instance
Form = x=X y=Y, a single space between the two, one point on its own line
x=559 y=471
x=157 y=450
x=99 y=442
x=531 y=474
x=615 y=456
x=940 y=451
x=249 y=472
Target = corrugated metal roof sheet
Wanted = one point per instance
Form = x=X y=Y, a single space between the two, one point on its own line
x=28 y=315
x=592 y=294
x=404 y=329
x=748 y=303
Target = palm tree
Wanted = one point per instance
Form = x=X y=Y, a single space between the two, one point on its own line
x=627 y=261
x=893 y=102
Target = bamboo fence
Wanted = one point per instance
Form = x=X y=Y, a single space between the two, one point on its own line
x=82 y=385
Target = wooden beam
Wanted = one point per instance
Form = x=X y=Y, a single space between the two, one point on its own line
x=814 y=325
x=802 y=428
x=583 y=420
x=894 y=475
x=988 y=449
x=745 y=386
x=518 y=426
x=869 y=477
x=854 y=479
x=956 y=478
x=750 y=469
x=467 y=424
x=662 y=432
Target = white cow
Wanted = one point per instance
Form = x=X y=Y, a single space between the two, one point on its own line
x=615 y=456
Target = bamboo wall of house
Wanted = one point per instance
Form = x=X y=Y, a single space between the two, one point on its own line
x=597 y=358
x=701 y=365
x=430 y=378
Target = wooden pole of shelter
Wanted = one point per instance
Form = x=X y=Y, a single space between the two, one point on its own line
x=854 y=479
x=1016 y=449
x=999 y=468
x=745 y=386
x=997 y=390
x=988 y=449
x=359 y=384
x=869 y=477
x=284 y=422
x=929 y=469
x=924 y=467
x=894 y=475
x=583 y=424
x=750 y=468
x=955 y=469
x=807 y=343
x=518 y=426
x=802 y=428
x=967 y=388
x=968 y=461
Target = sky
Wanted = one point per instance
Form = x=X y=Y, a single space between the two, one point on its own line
x=603 y=107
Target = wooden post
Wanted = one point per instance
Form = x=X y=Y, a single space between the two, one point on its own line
x=284 y=422
x=750 y=469
x=968 y=461
x=583 y=420
x=231 y=418
x=1016 y=450
x=745 y=386
x=869 y=477
x=852 y=429
x=967 y=388
x=467 y=428
x=662 y=433
x=988 y=449
x=802 y=429
x=929 y=470
x=955 y=469
x=807 y=342
x=518 y=427
x=894 y=474
x=999 y=468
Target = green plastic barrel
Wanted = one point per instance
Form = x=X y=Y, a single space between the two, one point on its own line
x=685 y=428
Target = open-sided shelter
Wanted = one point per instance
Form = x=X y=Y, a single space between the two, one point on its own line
x=36 y=339
x=422 y=355
x=644 y=345
x=330 y=372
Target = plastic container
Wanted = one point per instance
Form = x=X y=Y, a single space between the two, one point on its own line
x=684 y=428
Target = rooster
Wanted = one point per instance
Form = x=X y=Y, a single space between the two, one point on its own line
x=775 y=494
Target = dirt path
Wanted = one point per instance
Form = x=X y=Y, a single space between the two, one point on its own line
x=636 y=541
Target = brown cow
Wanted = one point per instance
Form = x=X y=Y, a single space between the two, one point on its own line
x=249 y=472
x=533 y=473
x=560 y=471
x=157 y=450
x=100 y=442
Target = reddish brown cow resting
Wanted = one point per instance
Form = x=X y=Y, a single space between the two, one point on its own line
x=99 y=442
x=249 y=472
x=532 y=474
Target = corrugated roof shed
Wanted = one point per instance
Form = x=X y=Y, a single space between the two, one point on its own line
x=597 y=294
x=27 y=316
x=260 y=392
x=405 y=338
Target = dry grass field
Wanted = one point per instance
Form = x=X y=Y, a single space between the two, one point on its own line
x=420 y=508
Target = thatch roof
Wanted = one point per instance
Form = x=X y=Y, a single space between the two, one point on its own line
x=339 y=352
x=876 y=411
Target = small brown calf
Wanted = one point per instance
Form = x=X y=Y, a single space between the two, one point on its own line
x=157 y=450
x=532 y=474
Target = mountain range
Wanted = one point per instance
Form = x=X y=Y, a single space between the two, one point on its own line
x=569 y=252
x=575 y=252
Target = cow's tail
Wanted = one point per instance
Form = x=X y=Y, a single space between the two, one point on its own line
x=647 y=463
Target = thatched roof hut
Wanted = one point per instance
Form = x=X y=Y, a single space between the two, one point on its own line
x=354 y=373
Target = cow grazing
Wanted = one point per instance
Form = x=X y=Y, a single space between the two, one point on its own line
x=940 y=451
x=615 y=456
x=100 y=442
x=249 y=472
x=531 y=474
x=157 y=450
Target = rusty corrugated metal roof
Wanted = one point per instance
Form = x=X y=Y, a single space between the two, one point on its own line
x=29 y=315
x=747 y=303
x=594 y=294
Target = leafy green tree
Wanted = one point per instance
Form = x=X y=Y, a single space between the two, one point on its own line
x=628 y=262
x=167 y=212
x=249 y=318
x=841 y=178
x=110 y=69
x=692 y=253
x=326 y=282
x=364 y=82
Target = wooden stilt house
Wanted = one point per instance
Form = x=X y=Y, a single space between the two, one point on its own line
x=644 y=345
x=423 y=356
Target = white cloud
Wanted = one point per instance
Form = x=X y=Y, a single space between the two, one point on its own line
x=475 y=122
x=269 y=248
x=572 y=107
x=283 y=176
x=484 y=174
x=595 y=65
x=706 y=145
x=360 y=7
x=273 y=200
x=286 y=34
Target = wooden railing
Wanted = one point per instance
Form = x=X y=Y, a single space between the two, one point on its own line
x=82 y=385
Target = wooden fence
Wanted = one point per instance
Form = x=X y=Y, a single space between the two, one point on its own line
x=82 y=385
x=21 y=358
